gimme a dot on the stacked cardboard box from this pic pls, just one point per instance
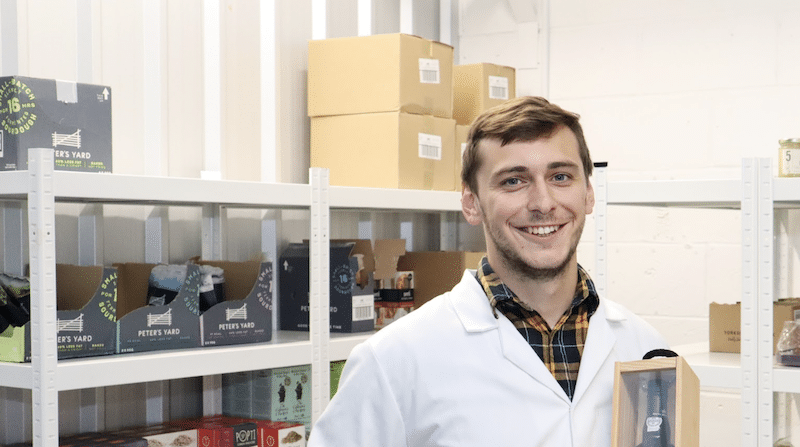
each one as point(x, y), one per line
point(72, 118)
point(479, 87)
point(279, 394)
point(381, 111)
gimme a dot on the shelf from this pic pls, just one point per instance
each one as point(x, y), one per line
point(395, 200)
point(726, 194)
point(342, 344)
point(786, 192)
point(287, 348)
point(714, 369)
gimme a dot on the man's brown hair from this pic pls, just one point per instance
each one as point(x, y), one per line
point(527, 118)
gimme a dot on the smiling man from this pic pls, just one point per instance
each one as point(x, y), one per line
point(522, 350)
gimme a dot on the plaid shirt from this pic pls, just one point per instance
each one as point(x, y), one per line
point(561, 347)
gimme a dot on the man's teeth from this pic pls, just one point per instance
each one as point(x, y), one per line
point(541, 231)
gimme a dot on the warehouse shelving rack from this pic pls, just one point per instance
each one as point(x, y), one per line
point(757, 195)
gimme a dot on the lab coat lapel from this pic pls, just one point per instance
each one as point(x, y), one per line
point(600, 342)
point(473, 309)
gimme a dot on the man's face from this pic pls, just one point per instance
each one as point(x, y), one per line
point(532, 199)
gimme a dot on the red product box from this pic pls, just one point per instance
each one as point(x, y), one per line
point(280, 434)
point(221, 431)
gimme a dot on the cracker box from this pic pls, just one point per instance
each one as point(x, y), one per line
point(351, 288)
point(246, 314)
point(86, 299)
point(380, 73)
point(385, 150)
point(479, 87)
point(656, 402)
point(144, 327)
point(279, 394)
point(72, 118)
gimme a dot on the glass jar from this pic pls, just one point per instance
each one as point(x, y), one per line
point(789, 158)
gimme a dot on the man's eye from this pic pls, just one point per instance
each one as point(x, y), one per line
point(511, 182)
point(561, 177)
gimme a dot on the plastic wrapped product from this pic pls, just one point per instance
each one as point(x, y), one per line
point(165, 282)
point(15, 299)
point(788, 348)
point(212, 287)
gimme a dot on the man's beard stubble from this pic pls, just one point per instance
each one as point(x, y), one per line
point(520, 267)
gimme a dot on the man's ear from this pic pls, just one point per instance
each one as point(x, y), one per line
point(471, 206)
point(589, 198)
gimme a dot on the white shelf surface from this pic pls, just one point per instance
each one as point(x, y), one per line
point(395, 200)
point(714, 369)
point(342, 344)
point(677, 193)
point(287, 348)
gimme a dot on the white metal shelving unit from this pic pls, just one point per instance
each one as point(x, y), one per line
point(41, 187)
point(757, 195)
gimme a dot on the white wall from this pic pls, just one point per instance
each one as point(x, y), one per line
point(666, 90)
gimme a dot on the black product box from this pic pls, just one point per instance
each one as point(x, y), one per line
point(72, 118)
point(143, 327)
point(86, 300)
point(351, 301)
point(246, 314)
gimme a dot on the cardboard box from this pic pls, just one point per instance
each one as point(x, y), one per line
point(351, 303)
point(221, 431)
point(436, 272)
point(72, 118)
point(479, 87)
point(462, 134)
point(246, 314)
point(380, 73)
point(86, 299)
point(279, 394)
point(656, 402)
point(163, 435)
point(143, 327)
point(385, 150)
point(336, 374)
point(724, 328)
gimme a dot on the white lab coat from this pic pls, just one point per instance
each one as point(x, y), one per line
point(451, 374)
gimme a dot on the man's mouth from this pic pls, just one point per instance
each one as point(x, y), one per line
point(542, 230)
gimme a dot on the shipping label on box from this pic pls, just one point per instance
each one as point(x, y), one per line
point(246, 314)
point(86, 316)
point(351, 305)
point(143, 327)
point(72, 118)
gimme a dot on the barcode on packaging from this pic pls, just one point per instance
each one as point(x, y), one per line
point(429, 71)
point(498, 87)
point(363, 307)
point(430, 146)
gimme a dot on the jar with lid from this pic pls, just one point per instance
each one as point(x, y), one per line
point(789, 157)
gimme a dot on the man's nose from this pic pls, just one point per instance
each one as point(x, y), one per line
point(540, 199)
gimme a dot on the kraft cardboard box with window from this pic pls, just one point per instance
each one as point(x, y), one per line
point(380, 73)
point(86, 299)
point(656, 402)
point(74, 119)
point(479, 87)
point(385, 150)
point(725, 323)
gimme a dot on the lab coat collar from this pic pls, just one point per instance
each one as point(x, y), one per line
point(473, 309)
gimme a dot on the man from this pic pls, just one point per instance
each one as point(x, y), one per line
point(521, 351)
